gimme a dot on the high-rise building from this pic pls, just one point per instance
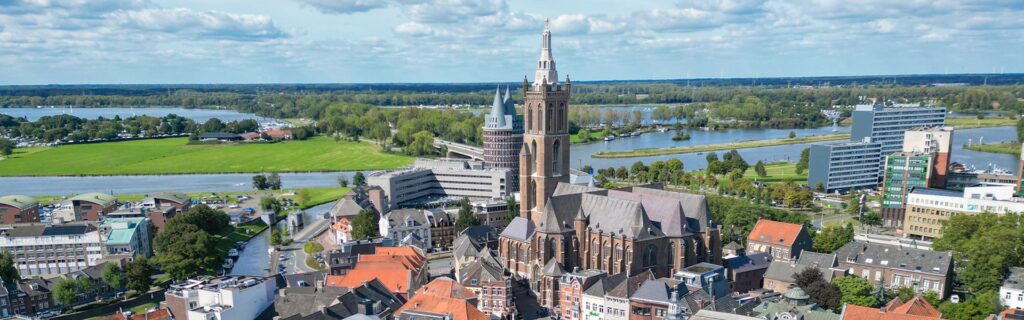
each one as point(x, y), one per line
point(886, 126)
point(503, 137)
point(924, 162)
point(544, 157)
point(842, 166)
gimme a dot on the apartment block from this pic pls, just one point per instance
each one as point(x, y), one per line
point(843, 166)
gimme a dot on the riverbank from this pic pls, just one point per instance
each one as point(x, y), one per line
point(175, 156)
point(720, 146)
point(317, 196)
point(1004, 148)
point(960, 123)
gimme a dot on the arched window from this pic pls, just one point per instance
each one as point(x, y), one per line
point(650, 257)
point(550, 245)
point(548, 119)
point(671, 257)
point(556, 158)
point(529, 117)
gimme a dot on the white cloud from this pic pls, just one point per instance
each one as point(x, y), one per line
point(883, 25)
point(450, 11)
point(214, 24)
point(346, 6)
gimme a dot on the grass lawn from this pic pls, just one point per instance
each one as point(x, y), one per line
point(778, 172)
point(594, 136)
point(318, 196)
point(841, 222)
point(1008, 148)
point(974, 122)
point(174, 156)
point(139, 309)
point(227, 238)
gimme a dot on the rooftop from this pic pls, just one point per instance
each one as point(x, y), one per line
point(775, 232)
point(1015, 280)
point(102, 199)
point(19, 201)
point(938, 192)
point(896, 257)
point(43, 230)
point(121, 229)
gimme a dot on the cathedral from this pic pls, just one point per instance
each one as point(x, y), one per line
point(564, 227)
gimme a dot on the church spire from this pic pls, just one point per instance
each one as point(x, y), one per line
point(546, 63)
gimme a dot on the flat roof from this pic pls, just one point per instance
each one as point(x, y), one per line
point(42, 230)
point(121, 229)
point(938, 192)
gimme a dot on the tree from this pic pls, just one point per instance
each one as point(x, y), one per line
point(271, 204)
point(1020, 129)
point(825, 294)
point(674, 165)
point(208, 219)
point(513, 209)
point(8, 272)
point(984, 247)
point(853, 205)
point(364, 225)
point(139, 274)
point(185, 251)
point(792, 134)
point(856, 290)
point(819, 187)
point(711, 157)
point(275, 237)
point(6, 147)
point(467, 218)
point(342, 182)
point(112, 276)
point(760, 170)
point(65, 292)
point(804, 278)
point(805, 160)
point(213, 125)
point(359, 179)
point(274, 181)
point(872, 219)
point(259, 182)
point(832, 238)
point(422, 144)
point(303, 196)
point(979, 307)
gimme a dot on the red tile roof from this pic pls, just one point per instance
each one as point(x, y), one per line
point(775, 232)
point(915, 309)
point(395, 267)
point(278, 133)
point(446, 287)
point(444, 296)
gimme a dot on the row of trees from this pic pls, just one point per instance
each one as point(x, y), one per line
point(267, 182)
point(136, 276)
point(68, 128)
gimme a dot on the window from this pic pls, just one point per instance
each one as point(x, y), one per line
point(878, 275)
point(556, 157)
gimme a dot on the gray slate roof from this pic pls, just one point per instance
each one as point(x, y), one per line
point(1015, 280)
point(619, 217)
point(896, 257)
point(606, 284)
point(784, 271)
point(398, 217)
point(654, 291)
point(520, 229)
point(625, 289)
point(745, 263)
point(553, 268)
point(821, 260)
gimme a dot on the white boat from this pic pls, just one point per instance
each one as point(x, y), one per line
point(228, 263)
point(233, 253)
point(609, 138)
point(663, 129)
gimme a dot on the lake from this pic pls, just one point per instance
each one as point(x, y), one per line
point(198, 115)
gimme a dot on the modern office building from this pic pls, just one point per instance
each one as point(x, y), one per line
point(935, 141)
point(44, 250)
point(928, 208)
point(961, 177)
point(431, 179)
point(228, 297)
point(842, 166)
point(126, 236)
point(923, 163)
point(886, 125)
point(503, 137)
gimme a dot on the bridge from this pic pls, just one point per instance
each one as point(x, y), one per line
point(458, 150)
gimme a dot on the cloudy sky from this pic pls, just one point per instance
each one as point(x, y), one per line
point(326, 41)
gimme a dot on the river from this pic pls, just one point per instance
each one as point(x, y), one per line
point(254, 260)
point(198, 115)
point(580, 156)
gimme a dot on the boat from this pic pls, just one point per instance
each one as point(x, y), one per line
point(636, 133)
point(663, 129)
point(233, 253)
point(228, 263)
point(624, 135)
point(609, 138)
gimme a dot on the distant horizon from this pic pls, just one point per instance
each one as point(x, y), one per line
point(474, 41)
point(870, 76)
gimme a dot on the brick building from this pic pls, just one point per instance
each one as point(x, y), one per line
point(18, 208)
point(93, 206)
point(784, 241)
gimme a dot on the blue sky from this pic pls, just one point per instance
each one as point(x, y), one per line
point(326, 41)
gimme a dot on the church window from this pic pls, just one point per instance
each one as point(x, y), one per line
point(650, 257)
point(556, 157)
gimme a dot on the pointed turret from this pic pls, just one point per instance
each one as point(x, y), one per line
point(546, 64)
point(510, 105)
point(496, 119)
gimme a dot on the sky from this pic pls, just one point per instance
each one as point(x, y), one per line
point(374, 41)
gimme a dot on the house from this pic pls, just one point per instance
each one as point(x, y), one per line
point(915, 309)
point(178, 200)
point(779, 275)
point(472, 244)
point(98, 287)
point(897, 266)
point(279, 134)
point(341, 260)
point(408, 227)
point(305, 298)
point(442, 228)
point(657, 299)
point(250, 136)
point(224, 298)
point(220, 136)
point(401, 269)
point(745, 272)
point(795, 304)
point(1011, 293)
point(31, 296)
point(92, 206)
point(18, 209)
point(571, 287)
point(357, 199)
point(156, 216)
point(784, 241)
point(705, 276)
point(617, 299)
point(442, 298)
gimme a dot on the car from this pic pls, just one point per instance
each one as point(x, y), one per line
point(284, 258)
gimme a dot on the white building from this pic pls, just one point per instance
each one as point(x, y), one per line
point(431, 179)
point(406, 227)
point(227, 298)
point(126, 236)
point(1011, 293)
point(42, 250)
point(928, 208)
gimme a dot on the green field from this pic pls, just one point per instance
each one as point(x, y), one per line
point(973, 122)
point(1007, 148)
point(174, 156)
point(594, 137)
point(721, 146)
point(778, 172)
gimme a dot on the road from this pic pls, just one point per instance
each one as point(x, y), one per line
point(294, 259)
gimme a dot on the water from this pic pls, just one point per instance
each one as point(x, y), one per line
point(38, 186)
point(647, 111)
point(198, 115)
point(254, 259)
point(693, 161)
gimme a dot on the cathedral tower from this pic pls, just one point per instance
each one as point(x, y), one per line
point(544, 158)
